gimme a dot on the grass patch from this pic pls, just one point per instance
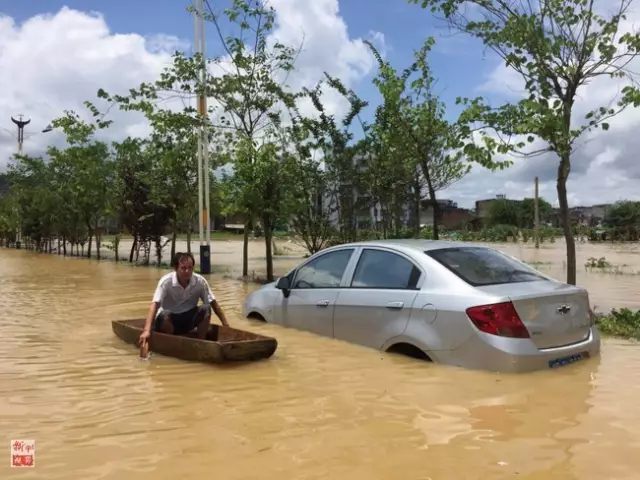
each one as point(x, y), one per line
point(620, 323)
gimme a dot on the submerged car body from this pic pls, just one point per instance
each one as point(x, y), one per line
point(454, 303)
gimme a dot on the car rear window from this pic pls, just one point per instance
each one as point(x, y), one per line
point(484, 266)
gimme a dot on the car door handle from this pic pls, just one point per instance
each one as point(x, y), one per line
point(323, 303)
point(395, 305)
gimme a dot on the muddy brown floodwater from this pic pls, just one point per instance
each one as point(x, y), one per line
point(319, 408)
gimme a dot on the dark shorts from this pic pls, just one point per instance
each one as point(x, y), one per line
point(183, 322)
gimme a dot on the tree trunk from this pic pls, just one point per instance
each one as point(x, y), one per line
point(432, 198)
point(89, 244)
point(116, 247)
point(98, 241)
point(416, 206)
point(565, 221)
point(158, 242)
point(64, 245)
point(564, 151)
point(436, 217)
point(173, 243)
point(268, 235)
point(133, 248)
point(346, 212)
point(245, 250)
point(189, 239)
point(386, 225)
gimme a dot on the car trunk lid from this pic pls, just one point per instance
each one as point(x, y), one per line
point(555, 314)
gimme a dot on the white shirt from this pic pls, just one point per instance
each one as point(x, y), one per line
point(173, 297)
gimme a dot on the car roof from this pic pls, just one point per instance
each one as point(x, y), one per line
point(414, 244)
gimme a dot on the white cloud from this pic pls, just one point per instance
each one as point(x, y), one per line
point(504, 81)
point(326, 46)
point(317, 27)
point(161, 43)
point(52, 63)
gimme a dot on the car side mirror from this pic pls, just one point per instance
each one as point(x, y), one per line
point(283, 284)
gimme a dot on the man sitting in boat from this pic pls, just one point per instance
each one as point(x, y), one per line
point(174, 308)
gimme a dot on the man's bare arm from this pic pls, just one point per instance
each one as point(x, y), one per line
point(151, 315)
point(217, 309)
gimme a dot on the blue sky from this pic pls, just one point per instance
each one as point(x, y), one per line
point(404, 26)
point(56, 54)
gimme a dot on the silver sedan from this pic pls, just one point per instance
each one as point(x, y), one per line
point(448, 302)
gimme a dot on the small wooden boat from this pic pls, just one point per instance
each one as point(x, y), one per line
point(223, 344)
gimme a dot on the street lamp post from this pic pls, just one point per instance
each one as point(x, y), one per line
point(203, 145)
point(20, 123)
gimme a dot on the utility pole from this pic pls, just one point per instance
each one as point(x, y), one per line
point(203, 144)
point(536, 215)
point(20, 123)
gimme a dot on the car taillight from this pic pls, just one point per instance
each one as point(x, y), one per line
point(498, 319)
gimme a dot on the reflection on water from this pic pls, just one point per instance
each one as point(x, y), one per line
point(318, 409)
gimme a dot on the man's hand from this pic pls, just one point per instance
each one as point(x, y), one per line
point(144, 337)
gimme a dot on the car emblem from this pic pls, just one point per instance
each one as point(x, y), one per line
point(563, 309)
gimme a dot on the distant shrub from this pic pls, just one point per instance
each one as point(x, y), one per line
point(593, 262)
point(620, 323)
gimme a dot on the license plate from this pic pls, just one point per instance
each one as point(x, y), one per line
point(562, 361)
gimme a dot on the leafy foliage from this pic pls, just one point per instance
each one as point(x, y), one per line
point(620, 323)
point(623, 219)
point(413, 143)
point(519, 213)
point(557, 47)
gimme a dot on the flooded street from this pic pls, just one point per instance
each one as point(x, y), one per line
point(317, 409)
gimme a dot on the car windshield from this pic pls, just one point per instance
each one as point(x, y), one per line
point(483, 266)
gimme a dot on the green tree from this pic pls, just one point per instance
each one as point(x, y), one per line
point(307, 189)
point(624, 218)
point(412, 118)
point(518, 213)
point(31, 183)
point(310, 218)
point(622, 214)
point(390, 168)
point(342, 159)
point(527, 209)
point(9, 216)
point(172, 147)
point(4, 184)
point(250, 97)
point(505, 212)
point(557, 47)
point(141, 208)
point(88, 168)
